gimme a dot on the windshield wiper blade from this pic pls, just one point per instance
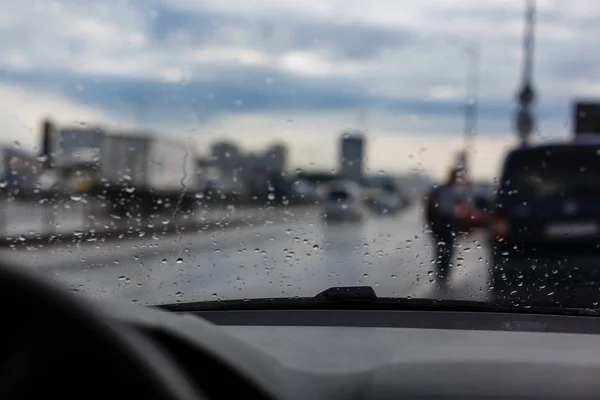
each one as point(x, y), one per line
point(366, 294)
point(332, 298)
point(365, 298)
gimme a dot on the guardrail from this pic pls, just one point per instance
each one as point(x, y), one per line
point(86, 220)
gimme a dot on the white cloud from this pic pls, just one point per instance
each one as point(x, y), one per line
point(314, 64)
point(445, 92)
point(244, 56)
point(82, 37)
point(113, 38)
point(22, 111)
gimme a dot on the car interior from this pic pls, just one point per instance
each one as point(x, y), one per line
point(113, 349)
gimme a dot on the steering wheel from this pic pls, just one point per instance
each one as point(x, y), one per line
point(55, 341)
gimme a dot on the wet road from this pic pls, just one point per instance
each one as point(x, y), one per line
point(276, 258)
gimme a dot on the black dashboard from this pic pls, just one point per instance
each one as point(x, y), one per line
point(344, 354)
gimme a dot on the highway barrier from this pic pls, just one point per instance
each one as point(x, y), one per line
point(80, 220)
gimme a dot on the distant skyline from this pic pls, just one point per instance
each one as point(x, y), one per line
point(301, 73)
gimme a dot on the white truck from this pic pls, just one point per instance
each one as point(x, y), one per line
point(137, 172)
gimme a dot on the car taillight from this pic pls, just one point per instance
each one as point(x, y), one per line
point(461, 211)
point(500, 226)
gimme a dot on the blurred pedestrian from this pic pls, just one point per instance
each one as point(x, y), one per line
point(442, 213)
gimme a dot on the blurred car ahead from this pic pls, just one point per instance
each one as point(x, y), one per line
point(383, 194)
point(386, 202)
point(343, 202)
point(305, 192)
point(546, 220)
point(475, 214)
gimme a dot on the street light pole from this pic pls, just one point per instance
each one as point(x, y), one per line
point(472, 89)
point(525, 121)
point(471, 103)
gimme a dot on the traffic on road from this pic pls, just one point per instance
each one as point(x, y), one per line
point(532, 238)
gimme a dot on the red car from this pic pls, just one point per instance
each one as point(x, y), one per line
point(475, 214)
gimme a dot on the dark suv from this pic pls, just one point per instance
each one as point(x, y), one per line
point(545, 229)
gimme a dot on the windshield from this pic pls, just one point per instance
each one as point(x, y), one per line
point(171, 151)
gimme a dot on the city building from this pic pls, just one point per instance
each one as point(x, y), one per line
point(275, 158)
point(255, 174)
point(352, 154)
point(227, 157)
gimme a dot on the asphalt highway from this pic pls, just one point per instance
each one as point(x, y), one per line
point(296, 256)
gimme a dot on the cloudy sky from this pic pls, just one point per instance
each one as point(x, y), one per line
point(295, 71)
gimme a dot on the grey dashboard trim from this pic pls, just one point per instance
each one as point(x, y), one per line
point(431, 360)
point(407, 319)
